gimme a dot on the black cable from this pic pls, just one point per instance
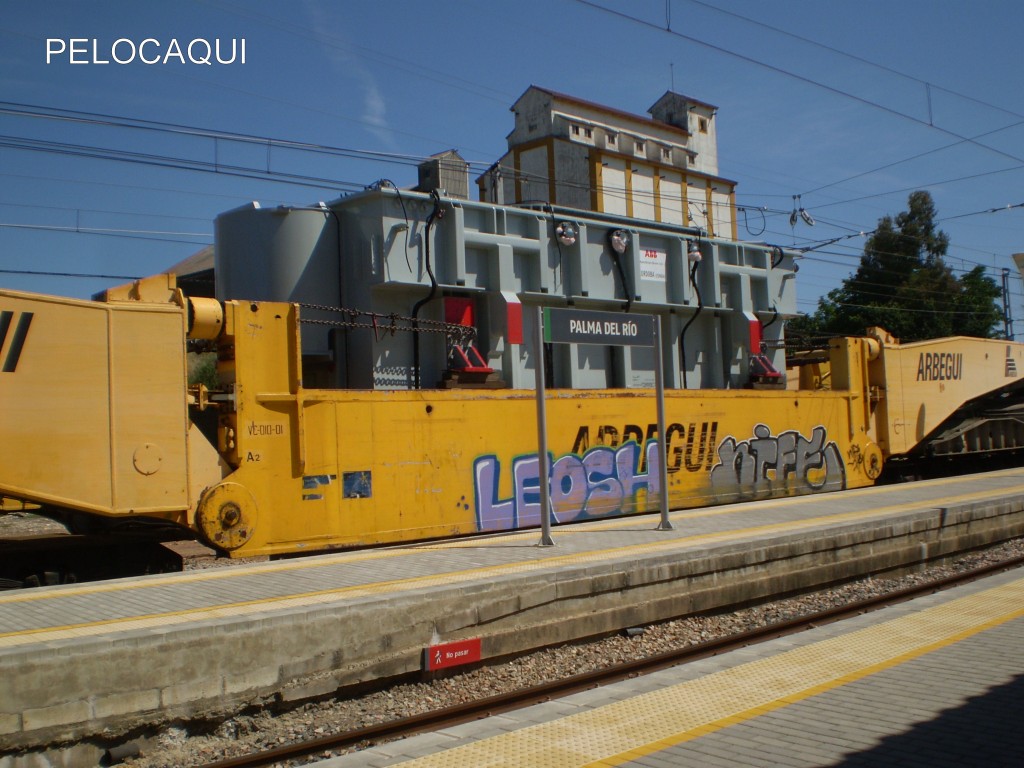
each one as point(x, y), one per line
point(437, 213)
point(558, 242)
point(622, 272)
point(682, 333)
point(746, 224)
point(398, 192)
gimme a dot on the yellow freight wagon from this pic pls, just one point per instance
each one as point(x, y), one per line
point(97, 418)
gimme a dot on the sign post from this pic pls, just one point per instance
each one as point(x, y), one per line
point(542, 435)
point(659, 396)
point(577, 326)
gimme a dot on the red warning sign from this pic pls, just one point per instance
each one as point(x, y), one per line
point(451, 654)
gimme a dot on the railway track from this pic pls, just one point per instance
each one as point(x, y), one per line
point(48, 560)
point(485, 707)
point(38, 552)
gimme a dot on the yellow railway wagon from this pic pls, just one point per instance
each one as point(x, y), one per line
point(97, 418)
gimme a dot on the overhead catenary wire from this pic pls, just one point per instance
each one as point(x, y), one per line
point(137, 234)
point(121, 185)
point(318, 34)
point(854, 57)
point(49, 273)
point(410, 160)
point(116, 121)
point(321, 182)
point(794, 75)
point(884, 68)
point(868, 102)
point(37, 111)
point(140, 214)
point(857, 232)
point(187, 163)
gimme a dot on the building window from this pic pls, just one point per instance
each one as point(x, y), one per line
point(575, 130)
point(666, 153)
point(702, 124)
point(611, 139)
point(588, 133)
point(639, 146)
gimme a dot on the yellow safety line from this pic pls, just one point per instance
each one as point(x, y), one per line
point(316, 597)
point(322, 561)
point(632, 728)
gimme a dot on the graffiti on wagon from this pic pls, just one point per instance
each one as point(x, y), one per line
point(767, 465)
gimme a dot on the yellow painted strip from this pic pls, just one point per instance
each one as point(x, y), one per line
point(337, 594)
point(647, 723)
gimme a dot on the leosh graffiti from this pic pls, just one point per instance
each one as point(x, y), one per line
point(603, 481)
point(618, 479)
point(787, 463)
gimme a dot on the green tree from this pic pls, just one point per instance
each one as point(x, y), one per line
point(903, 285)
point(976, 304)
point(202, 368)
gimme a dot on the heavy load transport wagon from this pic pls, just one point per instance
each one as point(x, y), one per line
point(374, 369)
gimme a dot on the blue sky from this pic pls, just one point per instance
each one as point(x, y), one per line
point(851, 105)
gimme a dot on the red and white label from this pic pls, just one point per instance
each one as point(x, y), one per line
point(451, 654)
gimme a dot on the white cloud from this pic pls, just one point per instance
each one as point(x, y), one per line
point(346, 66)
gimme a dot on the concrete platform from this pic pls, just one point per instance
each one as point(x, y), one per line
point(930, 683)
point(83, 662)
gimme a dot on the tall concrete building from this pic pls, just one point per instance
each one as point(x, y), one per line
point(570, 152)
